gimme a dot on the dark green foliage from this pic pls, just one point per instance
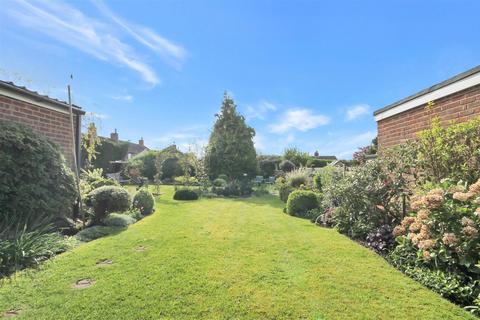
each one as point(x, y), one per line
point(35, 183)
point(317, 163)
point(317, 182)
point(300, 202)
point(235, 188)
point(171, 168)
point(284, 191)
point(105, 200)
point(185, 194)
point(20, 249)
point(104, 182)
point(267, 168)
point(119, 220)
point(107, 151)
point(96, 232)
point(287, 166)
point(144, 201)
point(145, 162)
point(219, 182)
point(230, 148)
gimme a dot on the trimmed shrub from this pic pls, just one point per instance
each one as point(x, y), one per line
point(36, 184)
point(235, 188)
point(144, 201)
point(299, 177)
point(286, 166)
point(219, 182)
point(119, 220)
point(185, 194)
point(96, 232)
point(108, 199)
point(300, 202)
point(284, 191)
point(317, 182)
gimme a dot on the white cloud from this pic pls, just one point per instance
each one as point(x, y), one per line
point(171, 52)
point(357, 111)
point(299, 119)
point(259, 110)
point(185, 137)
point(126, 98)
point(70, 26)
point(345, 146)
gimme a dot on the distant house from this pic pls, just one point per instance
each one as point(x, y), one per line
point(45, 115)
point(327, 158)
point(133, 148)
point(456, 99)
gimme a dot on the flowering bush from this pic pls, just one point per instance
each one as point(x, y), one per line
point(442, 235)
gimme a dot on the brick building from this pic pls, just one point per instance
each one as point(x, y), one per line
point(455, 100)
point(45, 115)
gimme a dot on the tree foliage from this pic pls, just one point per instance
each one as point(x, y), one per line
point(299, 158)
point(230, 148)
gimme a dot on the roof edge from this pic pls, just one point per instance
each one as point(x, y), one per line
point(433, 88)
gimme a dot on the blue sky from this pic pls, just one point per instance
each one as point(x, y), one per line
point(304, 73)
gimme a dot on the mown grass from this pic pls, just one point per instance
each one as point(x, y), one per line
point(222, 259)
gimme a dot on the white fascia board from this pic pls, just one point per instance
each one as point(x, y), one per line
point(24, 98)
point(460, 85)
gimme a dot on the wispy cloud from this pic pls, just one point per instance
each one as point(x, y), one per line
point(126, 98)
point(68, 25)
point(259, 110)
point(299, 119)
point(357, 111)
point(345, 146)
point(184, 137)
point(171, 52)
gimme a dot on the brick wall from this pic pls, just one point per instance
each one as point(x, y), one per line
point(53, 124)
point(457, 107)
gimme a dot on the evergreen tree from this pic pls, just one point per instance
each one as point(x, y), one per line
point(230, 148)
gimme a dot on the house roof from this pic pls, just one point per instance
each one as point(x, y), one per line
point(457, 83)
point(37, 97)
point(326, 157)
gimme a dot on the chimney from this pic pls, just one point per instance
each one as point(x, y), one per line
point(141, 142)
point(114, 136)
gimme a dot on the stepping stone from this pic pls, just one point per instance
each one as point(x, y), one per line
point(11, 313)
point(140, 249)
point(104, 262)
point(84, 283)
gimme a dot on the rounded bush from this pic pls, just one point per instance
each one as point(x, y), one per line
point(108, 199)
point(267, 168)
point(144, 201)
point(185, 194)
point(286, 166)
point(284, 191)
point(298, 177)
point(219, 182)
point(300, 202)
point(119, 220)
point(36, 183)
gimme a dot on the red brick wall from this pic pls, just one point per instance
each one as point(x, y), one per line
point(457, 107)
point(53, 124)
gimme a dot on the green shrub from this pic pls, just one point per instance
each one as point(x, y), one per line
point(267, 167)
point(96, 232)
point(261, 190)
point(219, 182)
point(144, 201)
point(185, 194)
point(36, 184)
point(108, 199)
point(299, 177)
point(286, 166)
point(145, 163)
point(21, 248)
point(119, 220)
point(223, 177)
point(317, 182)
point(284, 191)
point(297, 157)
point(107, 151)
point(300, 202)
point(317, 163)
point(235, 188)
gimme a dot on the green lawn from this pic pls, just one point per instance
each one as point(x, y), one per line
point(223, 259)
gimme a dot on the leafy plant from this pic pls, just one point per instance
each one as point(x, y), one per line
point(297, 157)
point(144, 201)
point(185, 194)
point(119, 220)
point(286, 166)
point(105, 200)
point(267, 167)
point(299, 177)
point(300, 202)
